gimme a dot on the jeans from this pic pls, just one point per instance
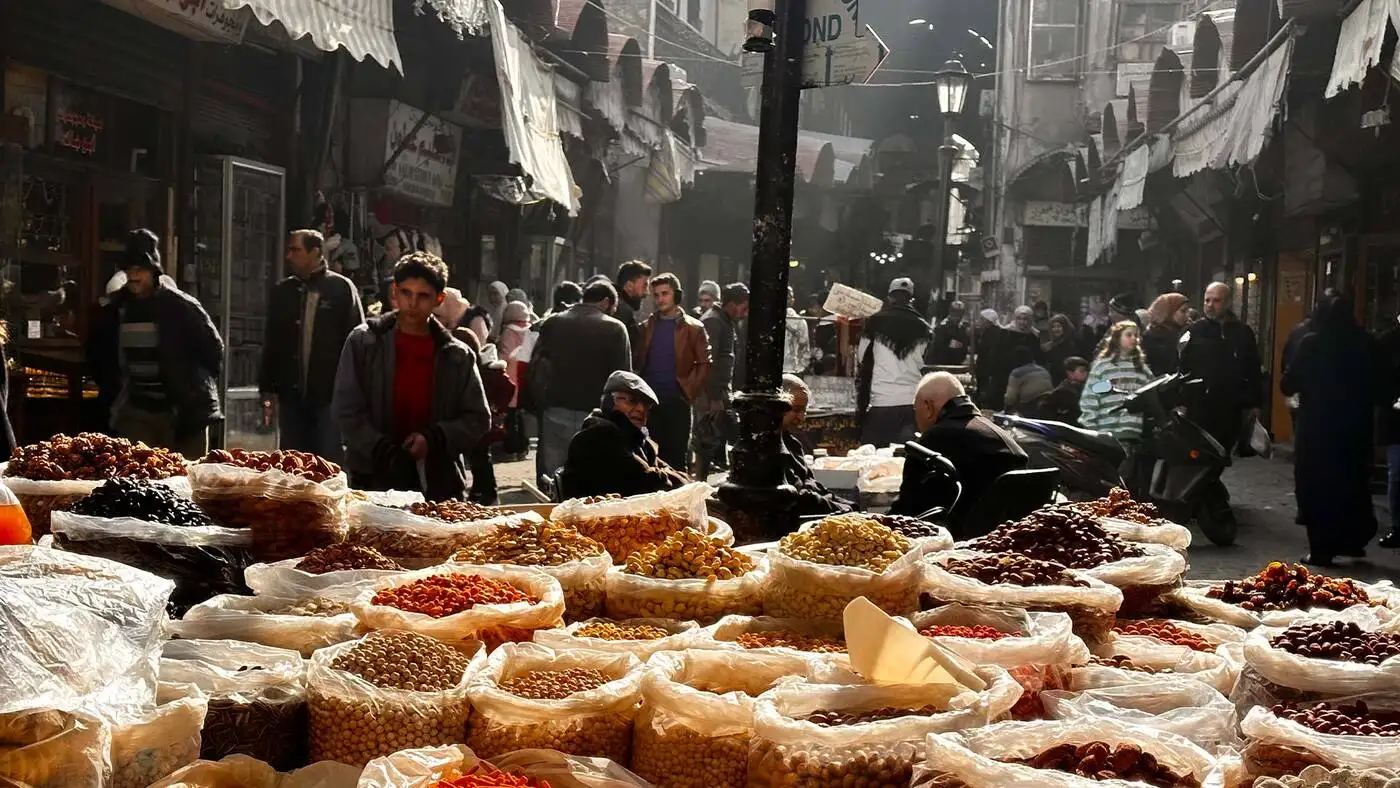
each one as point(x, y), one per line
point(557, 428)
point(1392, 461)
point(303, 426)
point(669, 425)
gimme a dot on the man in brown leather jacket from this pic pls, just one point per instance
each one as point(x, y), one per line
point(675, 362)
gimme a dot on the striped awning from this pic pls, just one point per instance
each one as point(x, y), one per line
point(365, 28)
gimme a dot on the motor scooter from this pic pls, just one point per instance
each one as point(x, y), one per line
point(1178, 465)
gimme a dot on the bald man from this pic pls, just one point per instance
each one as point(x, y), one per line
point(1222, 352)
point(953, 427)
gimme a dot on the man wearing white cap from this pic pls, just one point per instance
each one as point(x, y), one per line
point(890, 360)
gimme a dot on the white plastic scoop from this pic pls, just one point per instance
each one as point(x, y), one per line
point(885, 651)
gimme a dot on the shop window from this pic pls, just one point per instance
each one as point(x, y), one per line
point(1144, 28)
point(1054, 39)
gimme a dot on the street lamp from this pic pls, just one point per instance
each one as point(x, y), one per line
point(951, 83)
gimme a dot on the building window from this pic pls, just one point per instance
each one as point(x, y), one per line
point(1144, 28)
point(1054, 39)
point(693, 14)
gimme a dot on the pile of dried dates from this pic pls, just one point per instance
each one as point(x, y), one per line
point(1013, 569)
point(91, 456)
point(1345, 641)
point(297, 463)
point(1101, 761)
point(908, 527)
point(1283, 587)
point(1341, 719)
point(1059, 534)
point(140, 499)
point(1119, 505)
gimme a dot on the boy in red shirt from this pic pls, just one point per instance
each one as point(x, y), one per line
point(408, 396)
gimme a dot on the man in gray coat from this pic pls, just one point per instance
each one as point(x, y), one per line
point(408, 397)
point(577, 350)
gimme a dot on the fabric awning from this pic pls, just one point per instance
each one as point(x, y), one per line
point(530, 113)
point(733, 147)
point(1235, 129)
point(365, 28)
point(1134, 178)
point(1359, 43)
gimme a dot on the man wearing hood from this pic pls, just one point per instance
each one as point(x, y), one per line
point(156, 346)
point(705, 297)
point(890, 359)
point(1058, 345)
point(613, 453)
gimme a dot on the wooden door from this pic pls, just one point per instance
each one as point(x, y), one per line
point(1291, 300)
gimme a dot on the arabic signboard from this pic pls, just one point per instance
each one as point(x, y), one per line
point(78, 120)
point(201, 20)
point(831, 393)
point(426, 169)
point(851, 303)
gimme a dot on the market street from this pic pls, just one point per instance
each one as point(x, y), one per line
point(1262, 493)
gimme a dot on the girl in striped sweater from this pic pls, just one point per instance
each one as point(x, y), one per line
point(1120, 363)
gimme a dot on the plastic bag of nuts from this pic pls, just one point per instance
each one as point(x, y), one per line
point(425, 767)
point(1304, 734)
point(1026, 638)
point(415, 541)
point(1134, 659)
point(46, 748)
point(696, 719)
point(365, 705)
point(817, 571)
point(858, 740)
point(1181, 706)
point(992, 757)
point(814, 641)
point(1013, 581)
point(577, 702)
point(1177, 537)
point(288, 513)
point(640, 637)
point(202, 561)
point(147, 749)
point(1278, 595)
point(1329, 654)
point(1143, 579)
point(626, 525)
point(284, 579)
point(540, 605)
point(579, 564)
point(687, 576)
point(240, 771)
point(257, 697)
point(272, 621)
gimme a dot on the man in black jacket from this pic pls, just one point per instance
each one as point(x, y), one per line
point(612, 452)
point(408, 396)
point(576, 351)
point(1222, 352)
point(953, 427)
point(309, 315)
point(157, 347)
point(812, 496)
point(633, 279)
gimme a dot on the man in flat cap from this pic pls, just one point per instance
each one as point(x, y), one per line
point(613, 453)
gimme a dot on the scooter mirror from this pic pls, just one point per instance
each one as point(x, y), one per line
point(1101, 387)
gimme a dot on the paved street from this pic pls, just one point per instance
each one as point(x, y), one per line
point(1262, 494)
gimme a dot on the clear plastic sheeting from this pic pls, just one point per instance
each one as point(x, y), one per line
point(78, 632)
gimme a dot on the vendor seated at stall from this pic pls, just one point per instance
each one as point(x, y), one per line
point(812, 497)
point(612, 452)
point(953, 427)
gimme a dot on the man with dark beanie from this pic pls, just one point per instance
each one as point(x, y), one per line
point(157, 347)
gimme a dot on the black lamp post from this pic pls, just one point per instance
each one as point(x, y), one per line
point(951, 83)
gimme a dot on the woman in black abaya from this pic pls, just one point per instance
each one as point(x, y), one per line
point(1333, 374)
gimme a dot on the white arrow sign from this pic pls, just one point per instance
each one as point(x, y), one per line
point(836, 49)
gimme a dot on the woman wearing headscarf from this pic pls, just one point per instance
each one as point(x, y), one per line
point(517, 294)
point(1057, 343)
point(1166, 319)
point(1333, 374)
point(493, 299)
point(999, 354)
point(515, 329)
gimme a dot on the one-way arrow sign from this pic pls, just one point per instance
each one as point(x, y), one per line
point(836, 49)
